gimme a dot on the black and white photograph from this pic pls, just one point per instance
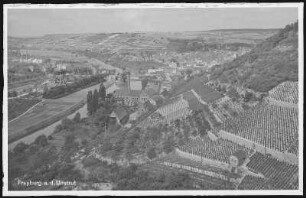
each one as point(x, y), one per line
point(153, 99)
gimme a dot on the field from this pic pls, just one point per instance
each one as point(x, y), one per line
point(54, 54)
point(18, 106)
point(43, 113)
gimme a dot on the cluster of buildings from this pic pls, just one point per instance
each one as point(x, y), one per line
point(134, 96)
point(130, 90)
point(31, 60)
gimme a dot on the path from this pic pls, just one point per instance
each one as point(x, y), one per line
point(18, 96)
point(26, 111)
point(283, 104)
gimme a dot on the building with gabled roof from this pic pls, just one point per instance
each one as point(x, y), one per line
point(119, 113)
point(207, 94)
point(131, 97)
point(136, 85)
point(110, 87)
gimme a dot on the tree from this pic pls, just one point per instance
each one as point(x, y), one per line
point(20, 147)
point(194, 133)
point(58, 128)
point(84, 142)
point(41, 140)
point(168, 145)
point(151, 153)
point(95, 101)
point(66, 123)
point(177, 123)
point(90, 103)
point(233, 94)
point(247, 96)
point(179, 181)
point(124, 77)
point(144, 82)
point(102, 92)
point(69, 141)
point(77, 117)
point(189, 72)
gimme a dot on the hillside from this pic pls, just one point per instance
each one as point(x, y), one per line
point(270, 63)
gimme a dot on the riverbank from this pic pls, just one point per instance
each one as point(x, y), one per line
point(46, 122)
point(49, 130)
point(20, 106)
point(76, 90)
point(46, 114)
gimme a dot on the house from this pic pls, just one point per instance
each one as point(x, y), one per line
point(165, 86)
point(31, 68)
point(150, 71)
point(110, 87)
point(141, 109)
point(120, 114)
point(154, 85)
point(135, 85)
point(206, 94)
point(135, 115)
point(111, 78)
point(151, 92)
point(61, 66)
point(156, 99)
point(147, 106)
point(173, 64)
point(131, 97)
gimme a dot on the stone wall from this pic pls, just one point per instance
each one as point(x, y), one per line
point(204, 160)
point(287, 157)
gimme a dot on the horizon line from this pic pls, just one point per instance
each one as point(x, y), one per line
point(225, 29)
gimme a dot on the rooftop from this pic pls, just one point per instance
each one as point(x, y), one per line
point(120, 112)
point(124, 92)
point(207, 93)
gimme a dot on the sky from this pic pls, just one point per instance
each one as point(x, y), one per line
point(38, 22)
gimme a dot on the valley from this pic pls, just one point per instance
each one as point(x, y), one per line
point(194, 110)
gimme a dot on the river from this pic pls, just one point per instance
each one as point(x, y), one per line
point(47, 130)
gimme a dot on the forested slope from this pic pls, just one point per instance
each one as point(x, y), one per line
point(270, 63)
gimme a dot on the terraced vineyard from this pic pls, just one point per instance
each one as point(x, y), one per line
point(252, 183)
point(226, 108)
point(270, 125)
point(285, 92)
point(219, 150)
point(294, 148)
point(279, 175)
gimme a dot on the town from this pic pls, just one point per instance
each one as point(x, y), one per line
point(154, 111)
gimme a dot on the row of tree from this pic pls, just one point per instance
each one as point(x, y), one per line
point(59, 91)
point(94, 98)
